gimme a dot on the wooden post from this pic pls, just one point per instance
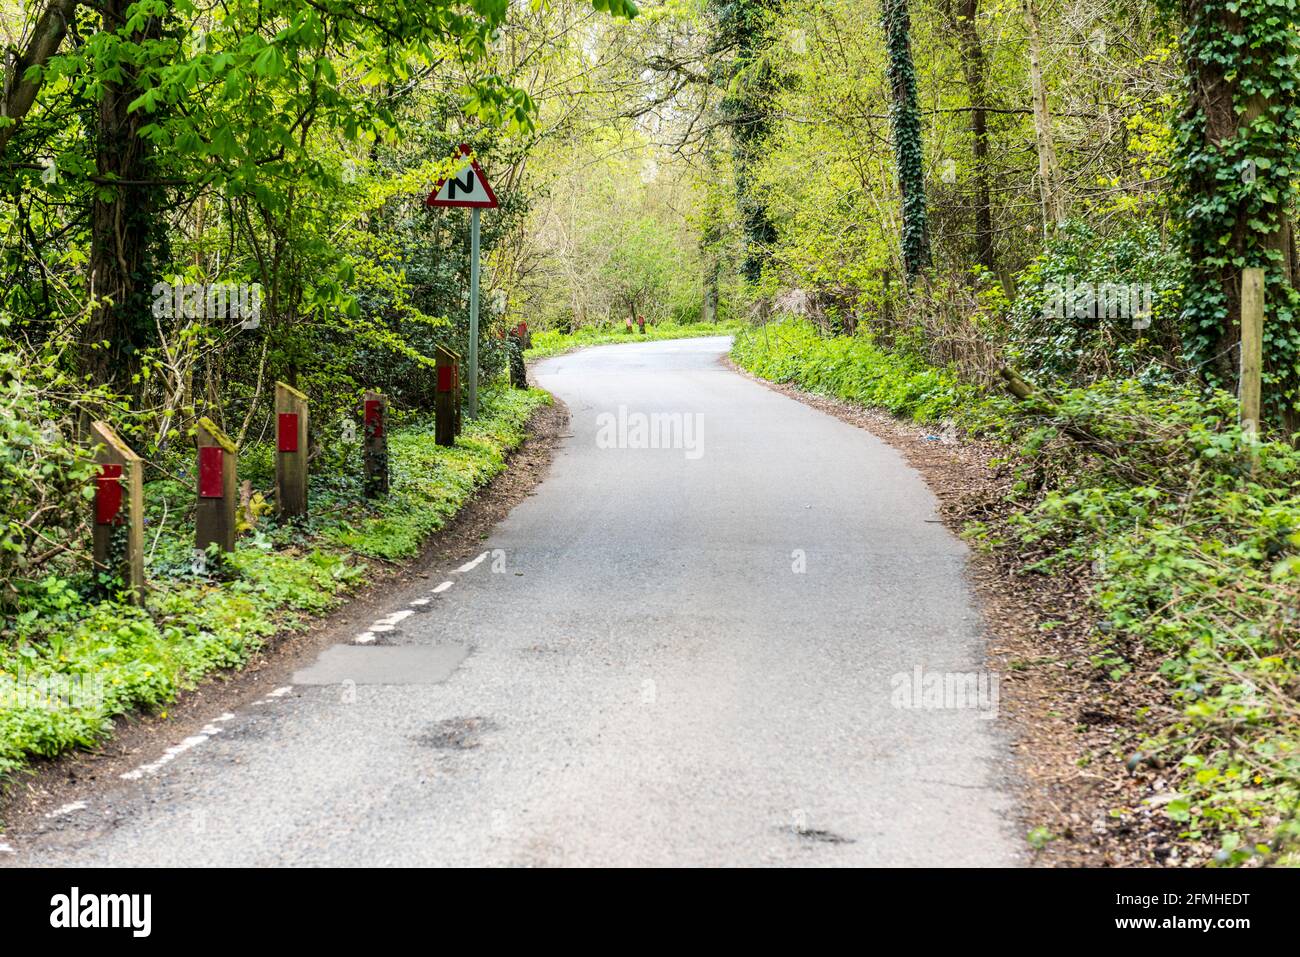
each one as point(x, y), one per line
point(118, 521)
point(518, 340)
point(447, 402)
point(375, 449)
point(214, 518)
point(1252, 346)
point(291, 451)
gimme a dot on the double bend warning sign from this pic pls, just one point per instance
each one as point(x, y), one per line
point(468, 187)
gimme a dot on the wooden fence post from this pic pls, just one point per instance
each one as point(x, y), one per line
point(291, 451)
point(375, 449)
point(214, 518)
point(447, 401)
point(519, 340)
point(118, 536)
point(1252, 346)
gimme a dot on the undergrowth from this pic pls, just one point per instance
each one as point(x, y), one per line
point(852, 368)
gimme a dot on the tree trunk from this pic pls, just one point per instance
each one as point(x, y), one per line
point(1228, 227)
point(975, 69)
point(746, 107)
point(1049, 166)
point(905, 120)
point(123, 226)
point(20, 92)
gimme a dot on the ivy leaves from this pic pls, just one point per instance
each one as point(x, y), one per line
point(905, 118)
point(1236, 185)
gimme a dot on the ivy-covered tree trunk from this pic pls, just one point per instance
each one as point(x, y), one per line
point(124, 218)
point(747, 110)
point(905, 119)
point(1235, 163)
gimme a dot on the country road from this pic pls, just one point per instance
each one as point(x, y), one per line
point(667, 656)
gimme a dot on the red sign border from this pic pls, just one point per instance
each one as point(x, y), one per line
point(489, 203)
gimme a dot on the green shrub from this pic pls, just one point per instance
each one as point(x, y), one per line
point(45, 476)
point(1056, 345)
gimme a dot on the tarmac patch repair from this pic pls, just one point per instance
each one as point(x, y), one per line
point(383, 665)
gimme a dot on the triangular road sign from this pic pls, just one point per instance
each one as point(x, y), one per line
point(469, 187)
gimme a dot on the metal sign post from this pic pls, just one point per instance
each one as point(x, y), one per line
point(473, 313)
point(468, 187)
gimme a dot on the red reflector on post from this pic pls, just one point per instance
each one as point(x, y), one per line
point(375, 418)
point(211, 460)
point(287, 432)
point(444, 378)
point(108, 494)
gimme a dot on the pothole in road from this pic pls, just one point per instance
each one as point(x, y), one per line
point(456, 734)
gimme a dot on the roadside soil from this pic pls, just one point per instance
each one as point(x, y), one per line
point(57, 781)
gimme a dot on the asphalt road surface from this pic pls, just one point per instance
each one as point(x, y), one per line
point(704, 654)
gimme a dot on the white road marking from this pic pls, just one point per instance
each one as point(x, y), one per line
point(395, 617)
point(420, 601)
point(280, 692)
point(207, 731)
point(442, 588)
point(6, 849)
point(193, 741)
point(470, 566)
point(382, 628)
point(172, 753)
point(365, 638)
point(66, 809)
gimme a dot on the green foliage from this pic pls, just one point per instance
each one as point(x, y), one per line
point(1079, 261)
point(611, 238)
point(740, 28)
point(110, 658)
point(1193, 531)
point(849, 367)
point(1234, 166)
point(44, 475)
